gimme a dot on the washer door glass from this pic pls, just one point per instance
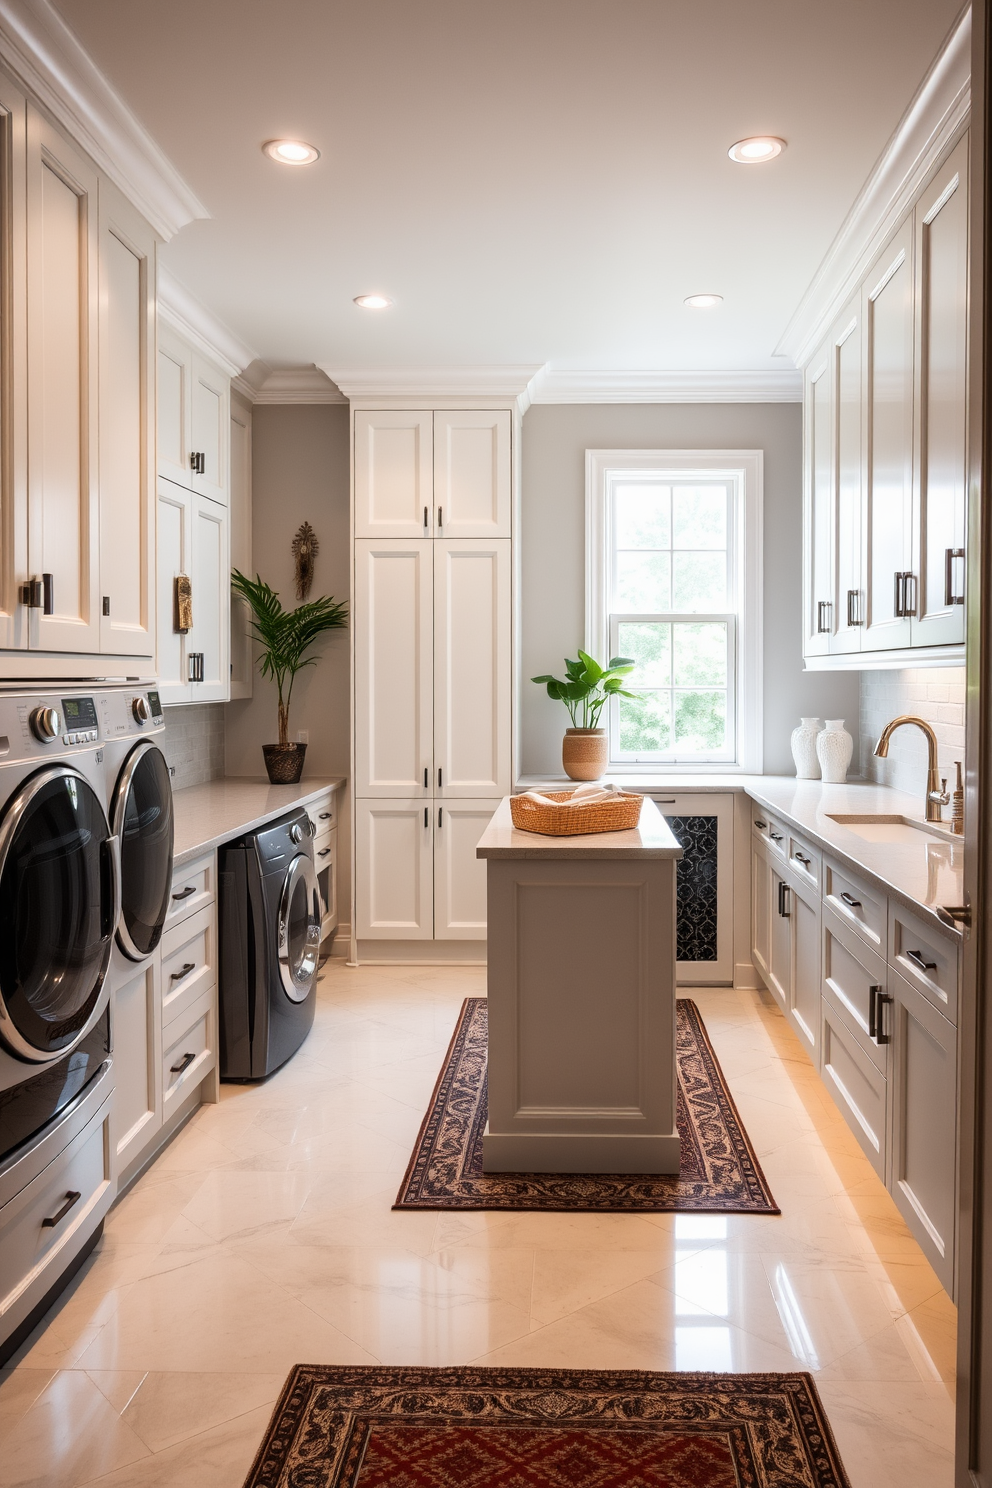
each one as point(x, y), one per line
point(299, 929)
point(143, 820)
point(58, 888)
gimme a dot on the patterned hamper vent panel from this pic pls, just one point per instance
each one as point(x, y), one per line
point(696, 887)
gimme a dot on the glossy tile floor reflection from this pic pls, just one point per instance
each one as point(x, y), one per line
point(263, 1238)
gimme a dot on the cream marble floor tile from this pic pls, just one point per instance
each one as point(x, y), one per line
point(219, 1458)
point(70, 1434)
point(165, 1408)
point(909, 1442)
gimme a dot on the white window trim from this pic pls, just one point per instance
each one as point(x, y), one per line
point(746, 469)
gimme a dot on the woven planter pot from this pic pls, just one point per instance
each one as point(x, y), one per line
point(584, 753)
point(284, 762)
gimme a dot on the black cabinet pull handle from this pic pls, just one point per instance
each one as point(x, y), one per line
point(439, 815)
point(783, 890)
point(440, 519)
point(326, 815)
point(881, 999)
point(850, 900)
point(71, 1198)
point(873, 992)
point(323, 852)
point(184, 893)
point(427, 817)
point(776, 836)
point(426, 778)
point(183, 971)
point(425, 519)
point(918, 959)
point(801, 858)
point(184, 1064)
point(48, 594)
point(760, 824)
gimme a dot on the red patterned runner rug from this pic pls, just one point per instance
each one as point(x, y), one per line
point(720, 1173)
point(372, 1427)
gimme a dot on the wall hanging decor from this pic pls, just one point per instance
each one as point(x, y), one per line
point(183, 605)
point(284, 637)
point(586, 690)
point(305, 550)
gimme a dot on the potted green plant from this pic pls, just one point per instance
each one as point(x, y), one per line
point(585, 690)
point(284, 637)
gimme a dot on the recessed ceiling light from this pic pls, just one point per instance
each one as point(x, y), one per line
point(755, 151)
point(373, 302)
point(703, 301)
point(291, 152)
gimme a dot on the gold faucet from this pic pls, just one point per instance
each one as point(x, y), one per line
point(937, 794)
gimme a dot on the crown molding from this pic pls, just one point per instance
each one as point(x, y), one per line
point(505, 383)
point(592, 385)
point(263, 384)
point(37, 45)
point(187, 315)
point(931, 123)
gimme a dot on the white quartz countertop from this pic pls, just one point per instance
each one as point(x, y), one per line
point(207, 815)
point(651, 838)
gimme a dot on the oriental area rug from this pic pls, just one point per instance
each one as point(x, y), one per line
point(374, 1427)
point(719, 1172)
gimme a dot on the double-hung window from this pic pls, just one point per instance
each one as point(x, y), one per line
point(673, 582)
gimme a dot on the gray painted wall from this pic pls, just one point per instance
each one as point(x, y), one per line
point(300, 471)
point(555, 438)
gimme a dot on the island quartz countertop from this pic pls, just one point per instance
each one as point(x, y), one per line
point(651, 838)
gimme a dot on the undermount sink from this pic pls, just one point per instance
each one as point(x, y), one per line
point(883, 827)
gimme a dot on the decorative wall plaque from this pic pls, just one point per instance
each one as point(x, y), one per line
point(183, 607)
point(305, 549)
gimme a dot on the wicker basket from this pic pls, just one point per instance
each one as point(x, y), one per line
point(618, 813)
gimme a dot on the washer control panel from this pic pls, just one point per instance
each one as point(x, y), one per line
point(79, 719)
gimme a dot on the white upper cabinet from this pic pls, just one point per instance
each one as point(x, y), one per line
point(942, 300)
point(821, 503)
point(174, 424)
point(394, 485)
point(63, 339)
point(242, 661)
point(13, 357)
point(207, 650)
point(848, 579)
point(175, 546)
point(210, 438)
point(394, 687)
point(888, 522)
point(472, 667)
point(472, 473)
point(127, 490)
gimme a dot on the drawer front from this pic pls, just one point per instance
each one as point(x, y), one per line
point(927, 959)
point(862, 908)
point(323, 814)
point(851, 970)
point(189, 963)
point(778, 837)
point(857, 1085)
point(193, 887)
point(44, 1218)
point(190, 1053)
point(325, 859)
point(804, 860)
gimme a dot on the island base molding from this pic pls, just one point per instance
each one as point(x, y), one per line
point(573, 1152)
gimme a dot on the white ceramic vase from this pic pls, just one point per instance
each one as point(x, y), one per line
point(804, 748)
point(834, 747)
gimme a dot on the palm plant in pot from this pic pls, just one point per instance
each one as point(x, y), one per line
point(585, 690)
point(284, 637)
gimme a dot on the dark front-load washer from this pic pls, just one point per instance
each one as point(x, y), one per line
point(270, 914)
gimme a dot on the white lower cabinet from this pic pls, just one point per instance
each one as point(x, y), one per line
point(857, 1084)
point(137, 1046)
point(459, 876)
point(803, 1005)
point(395, 856)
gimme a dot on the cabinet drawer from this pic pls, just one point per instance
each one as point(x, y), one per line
point(325, 860)
point(45, 1216)
point(190, 1052)
point(323, 814)
point(850, 970)
point(856, 904)
point(192, 887)
point(804, 860)
point(189, 963)
point(927, 959)
point(858, 1086)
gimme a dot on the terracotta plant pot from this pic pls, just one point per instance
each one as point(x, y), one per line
point(284, 762)
point(584, 753)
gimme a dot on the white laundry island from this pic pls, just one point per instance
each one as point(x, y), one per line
point(581, 999)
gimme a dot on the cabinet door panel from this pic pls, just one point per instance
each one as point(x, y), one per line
point(849, 592)
point(127, 520)
point(472, 667)
point(14, 618)
point(459, 876)
point(888, 316)
point(242, 659)
point(211, 432)
point(211, 599)
point(857, 1085)
point(704, 828)
point(924, 1123)
point(472, 473)
point(394, 683)
point(394, 484)
point(63, 298)
point(820, 616)
point(394, 863)
point(137, 1059)
point(804, 992)
point(779, 978)
point(174, 549)
point(850, 970)
point(942, 269)
point(174, 405)
point(761, 910)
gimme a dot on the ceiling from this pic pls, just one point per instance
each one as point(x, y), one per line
point(530, 180)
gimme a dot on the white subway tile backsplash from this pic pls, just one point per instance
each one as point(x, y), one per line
point(937, 696)
point(193, 743)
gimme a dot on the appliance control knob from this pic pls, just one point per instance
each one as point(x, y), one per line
point(139, 707)
point(46, 724)
point(296, 832)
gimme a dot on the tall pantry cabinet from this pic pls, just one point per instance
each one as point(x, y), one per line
point(432, 665)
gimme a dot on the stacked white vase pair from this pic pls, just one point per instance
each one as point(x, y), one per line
point(822, 753)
